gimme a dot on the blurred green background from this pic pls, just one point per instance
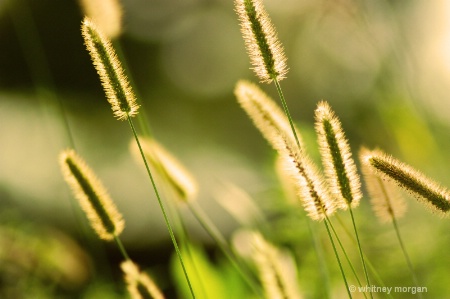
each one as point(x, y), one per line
point(384, 67)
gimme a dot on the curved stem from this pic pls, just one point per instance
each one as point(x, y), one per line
point(166, 219)
point(121, 247)
point(360, 250)
point(337, 257)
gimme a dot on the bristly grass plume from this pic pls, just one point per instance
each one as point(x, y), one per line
point(170, 170)
point(386, 200)
point(102, 213)
point(275, 127)
point(417, 184)
point(277, 274)
point(261, 41)
point(139, 284)
point(340, 169)
point(117, 88)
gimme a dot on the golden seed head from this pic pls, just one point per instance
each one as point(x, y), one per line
point(117, 88)
point(139, 284)
point(107, 14)
point(264, 112)
point(94, 200)
point(340, 169)
point(386, 200)
point(170, 169)
point(274, 126)
point(261, 41)
point(276, 269)
point(417, 184)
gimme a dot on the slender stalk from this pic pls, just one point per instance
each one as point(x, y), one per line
point(286, 110)
point(372, 268)
point(360, 250)
point(166, 219)
point(320, 258)
point(121, 247)
point(215, 234)
point(337, 256)
point(397, 232)
point(408, 260)
point(346, 256)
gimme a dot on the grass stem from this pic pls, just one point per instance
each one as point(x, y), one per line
point(166, 219)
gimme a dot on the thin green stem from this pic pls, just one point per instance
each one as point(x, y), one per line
point(360, 250)
point(397, 231)
point(337, 257)
point(121, 247)
point(369, 264)
point(161, 205)
point(346, 256)
point(216, 235)
point(408, 260)
point(320, 258)
point(286, 111)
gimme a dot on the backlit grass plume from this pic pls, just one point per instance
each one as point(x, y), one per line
point(170, 170)
point(385, 198)
point(102, 213)
point(117, 88)
point(275, 127)
point(107, 14)
point(417, 184)
point(277, 271)
point(261, 41)
point(339, 166)
point(139, 284)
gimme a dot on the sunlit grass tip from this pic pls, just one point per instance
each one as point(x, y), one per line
point(261, 41)
point(107, 14)
point(264, 112)
point(276, 269)
point(386, 200)
point(340, 169)
point(117, 88)
point(274, 126)
point(417, 184)
point(139, 284)
point(168, 167)
point(93, 197)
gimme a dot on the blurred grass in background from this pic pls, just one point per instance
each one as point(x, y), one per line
point(384, 66)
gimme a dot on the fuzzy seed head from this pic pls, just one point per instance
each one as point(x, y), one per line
point(340, 169)
point(411, 180)
point(94, 200)
point(277, 271)
point(117, 88)
point(107, 14)
point(274, 126)
point(139, 284)
point(261, 41)
point(169, 168)
point(386, 200)
point(264, 112)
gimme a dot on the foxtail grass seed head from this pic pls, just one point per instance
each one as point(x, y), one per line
point(107, 14)
point(94, 200)
point(261, 41)
point(274, 126)
point(264, 112)
point(417, 184)
point(277, 271)
point(169, 168)
point(340, 169)
point(139, 284)
point(117, 88)
point(385, 197)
